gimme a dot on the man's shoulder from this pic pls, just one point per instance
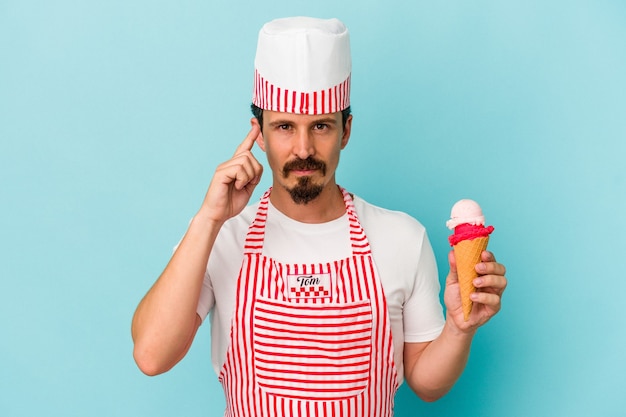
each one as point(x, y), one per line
point(397, 238)
point(375, 217)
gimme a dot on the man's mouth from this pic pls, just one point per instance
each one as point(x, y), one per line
point(302, 171)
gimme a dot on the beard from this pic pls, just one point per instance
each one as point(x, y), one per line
point(305, 190)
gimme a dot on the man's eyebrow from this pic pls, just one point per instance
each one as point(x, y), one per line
point(279, 123)
point(326, 120)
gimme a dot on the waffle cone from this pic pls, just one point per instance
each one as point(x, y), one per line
point(467, 255)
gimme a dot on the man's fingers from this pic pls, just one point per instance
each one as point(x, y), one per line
point(240, 171)
point(452, 276)
point(452, 260)
point(248, 142)
point(487, 256)
point(497, 282)
point(487, 298)
point(249, 174)
point(490, 267)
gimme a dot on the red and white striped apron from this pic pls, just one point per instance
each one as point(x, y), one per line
point(309, 339)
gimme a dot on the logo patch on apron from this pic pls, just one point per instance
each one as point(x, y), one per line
point(308, 286)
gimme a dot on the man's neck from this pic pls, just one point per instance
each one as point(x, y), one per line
point(327, 206)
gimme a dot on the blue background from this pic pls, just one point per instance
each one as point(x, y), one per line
point(114, 114)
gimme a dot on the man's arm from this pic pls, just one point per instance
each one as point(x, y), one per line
point(165, 322)
point(432, 368)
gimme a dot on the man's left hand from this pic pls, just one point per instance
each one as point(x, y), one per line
point(487, 300)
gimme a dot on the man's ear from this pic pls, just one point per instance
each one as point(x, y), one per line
point(347, 129)
point(259, 139)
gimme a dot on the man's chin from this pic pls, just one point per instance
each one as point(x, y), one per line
point(305, 191)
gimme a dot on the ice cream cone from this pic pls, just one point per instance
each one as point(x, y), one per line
point(467, 254)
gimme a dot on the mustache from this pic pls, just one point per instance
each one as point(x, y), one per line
point(300, 164)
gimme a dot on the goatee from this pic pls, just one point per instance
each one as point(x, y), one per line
point(305, 191)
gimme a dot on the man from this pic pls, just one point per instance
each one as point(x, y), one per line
point(321, 304)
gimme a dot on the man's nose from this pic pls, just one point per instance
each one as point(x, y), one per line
point(303, 144)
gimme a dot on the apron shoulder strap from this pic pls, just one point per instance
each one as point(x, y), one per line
point(358, 239)
point(256, 230)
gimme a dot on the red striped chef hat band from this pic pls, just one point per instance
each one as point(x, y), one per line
point(271, 97)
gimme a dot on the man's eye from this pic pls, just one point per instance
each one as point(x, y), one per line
point(283, 127)
point(321, 126)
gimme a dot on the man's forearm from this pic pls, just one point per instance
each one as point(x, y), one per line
point(432, 372)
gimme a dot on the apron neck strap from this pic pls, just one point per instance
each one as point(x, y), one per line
point(256, 230)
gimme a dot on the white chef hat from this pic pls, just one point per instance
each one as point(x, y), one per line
point(303, 66)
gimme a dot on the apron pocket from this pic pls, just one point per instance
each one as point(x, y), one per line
point(312, 352)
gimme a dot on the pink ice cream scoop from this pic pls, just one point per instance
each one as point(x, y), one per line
point(467, 221)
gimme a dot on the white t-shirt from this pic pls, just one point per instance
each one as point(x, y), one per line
point(400, 248)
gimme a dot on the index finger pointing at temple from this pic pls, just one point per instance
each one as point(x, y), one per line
point(248, 142)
